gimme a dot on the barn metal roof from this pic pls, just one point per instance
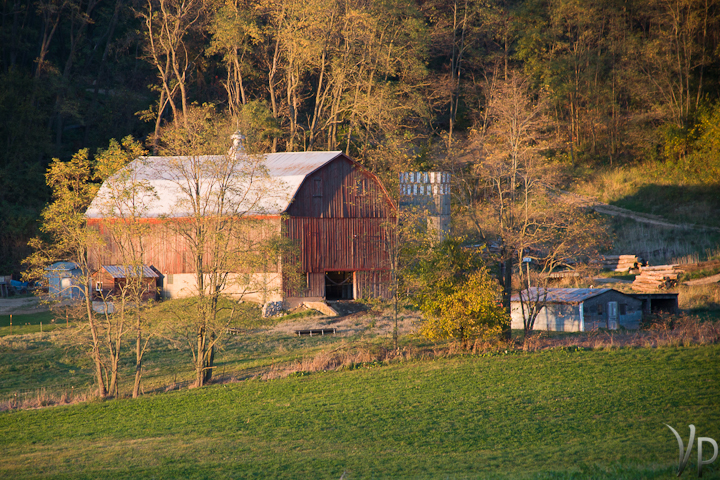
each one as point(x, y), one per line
point(297, 163)
point(257, 194)
point(119, 271)
point(562, 295)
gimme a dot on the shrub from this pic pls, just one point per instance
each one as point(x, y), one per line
point(466, 310)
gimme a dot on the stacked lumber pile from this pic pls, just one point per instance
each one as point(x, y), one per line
point(660, 277)
point(619, 263)
point(663, 277)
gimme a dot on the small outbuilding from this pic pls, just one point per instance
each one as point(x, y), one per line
point(579, 309)
point(63, 280)
point(109, 280)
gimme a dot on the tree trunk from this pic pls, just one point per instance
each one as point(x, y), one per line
point(507, 292)
point(200, 359)
point(102, 393)
point(209, 363)
point(138, 359)
point(271, 86)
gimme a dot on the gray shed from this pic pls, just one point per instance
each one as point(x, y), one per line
point(63, 280)
point(579, 309)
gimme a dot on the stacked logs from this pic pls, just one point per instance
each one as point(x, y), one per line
point(660, 277)
point(663, 277)
point(619, 263)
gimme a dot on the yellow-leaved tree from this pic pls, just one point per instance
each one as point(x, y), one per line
point(458, 296)
point(468, 310)
point(67, 237)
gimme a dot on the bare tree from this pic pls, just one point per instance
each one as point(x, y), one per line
point(235, 31)
point(124, 201)
point(169, 25)
point(219, 199)
point(508, 191)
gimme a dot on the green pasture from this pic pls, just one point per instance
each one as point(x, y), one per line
point(30, 323)
point(558, 414)
point(58, 361)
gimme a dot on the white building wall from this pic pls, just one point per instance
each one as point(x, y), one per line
point(552, 317)
point(256, 287)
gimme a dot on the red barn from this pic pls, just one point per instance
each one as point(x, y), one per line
point(333, 209)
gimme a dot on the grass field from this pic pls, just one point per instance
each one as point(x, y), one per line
point(58, 362)
point(557, 414)
point(29, 323)
point(591, 409)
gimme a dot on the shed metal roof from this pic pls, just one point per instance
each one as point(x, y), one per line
point(62, 266)
point(255, 194)
point(561, 295)
point(120, 271)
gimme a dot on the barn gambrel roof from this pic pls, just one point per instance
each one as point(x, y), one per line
point(273, 194)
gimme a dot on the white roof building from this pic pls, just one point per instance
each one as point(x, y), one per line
point(263, 185)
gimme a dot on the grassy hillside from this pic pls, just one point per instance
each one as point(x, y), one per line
point(677, 192)
point(585, 414)
point(670, 190)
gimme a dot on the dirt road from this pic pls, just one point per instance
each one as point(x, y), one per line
point(606, 209)
point(21, 306)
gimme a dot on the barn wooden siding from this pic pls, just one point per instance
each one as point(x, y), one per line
point(340, 244)
point(339, 221)
point(341, 190)
point(166, 249)
point(373, 283)
point(368, 284)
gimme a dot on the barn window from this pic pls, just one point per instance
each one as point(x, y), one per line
point(623, 308)
point(599, 309)
point(169, 278)
point(98, 286)
point(317, 188)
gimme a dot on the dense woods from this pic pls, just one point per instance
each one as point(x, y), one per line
point(394, 83)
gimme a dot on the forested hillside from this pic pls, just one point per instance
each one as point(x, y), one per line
point(394, 82)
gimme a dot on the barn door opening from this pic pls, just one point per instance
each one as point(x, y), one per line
point(338, 285)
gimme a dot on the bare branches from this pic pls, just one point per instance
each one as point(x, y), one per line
point(508, 190)
point(169, 28)
point(218, 204)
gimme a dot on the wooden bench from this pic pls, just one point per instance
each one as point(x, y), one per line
point(316, 331)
